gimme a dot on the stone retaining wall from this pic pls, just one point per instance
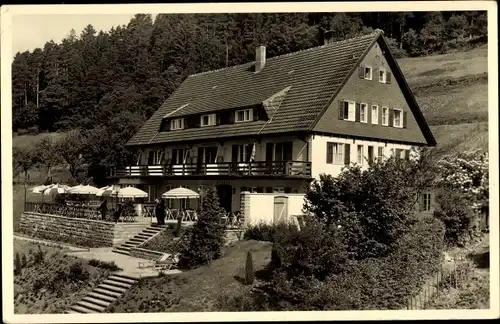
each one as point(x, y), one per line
point(145, 254)
point(77, 231)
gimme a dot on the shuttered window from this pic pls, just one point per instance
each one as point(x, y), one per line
point(374, 114)
point(398, 118)
point(360, 154)
point(335, 153)
point(385, 116)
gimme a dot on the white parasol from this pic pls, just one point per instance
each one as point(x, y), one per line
point(83, 190)
point(55, 189)
point(39, 189)
point(108, 191)
point(131, 192)
point(180, 193)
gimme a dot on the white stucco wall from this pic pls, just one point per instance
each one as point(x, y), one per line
point(318, 152)
point(259, 207)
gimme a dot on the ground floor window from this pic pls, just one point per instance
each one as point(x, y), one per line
point(426, 202)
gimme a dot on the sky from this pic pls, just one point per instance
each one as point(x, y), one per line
point(32, 31)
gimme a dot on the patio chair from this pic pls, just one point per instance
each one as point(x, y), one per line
point(164, 263)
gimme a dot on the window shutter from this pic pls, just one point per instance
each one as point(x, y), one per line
point(347, 154)
point(388, 77)
point(231, 117)
point(391, 117)
point(404, 118)
point(329, 153)
point(380, 113)
point(217, 119)
point(358, 113)
point(361, 71)
point(341, 110)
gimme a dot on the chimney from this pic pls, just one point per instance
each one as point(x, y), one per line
point(328, 37)
point(260, 58)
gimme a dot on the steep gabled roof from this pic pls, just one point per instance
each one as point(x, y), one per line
point(294, 89)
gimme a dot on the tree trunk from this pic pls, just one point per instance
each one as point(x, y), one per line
point(25, 96)
point(37, 86)
point(401, 36)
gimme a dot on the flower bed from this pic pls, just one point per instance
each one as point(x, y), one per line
point(51, 281)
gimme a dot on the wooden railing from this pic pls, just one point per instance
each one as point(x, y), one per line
point(257, 168)
point(86, 211)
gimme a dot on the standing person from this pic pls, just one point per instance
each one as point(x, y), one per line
point(104, 209)
point(157, 210)
point(161, 218)
point(118, 213)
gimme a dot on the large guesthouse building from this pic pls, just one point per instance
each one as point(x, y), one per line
point(272, 125)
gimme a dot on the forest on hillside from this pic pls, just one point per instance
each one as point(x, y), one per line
point(105, 85)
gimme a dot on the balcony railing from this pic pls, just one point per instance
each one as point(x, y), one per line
point(244, 169)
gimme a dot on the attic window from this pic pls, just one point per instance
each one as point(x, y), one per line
point(208, 120)
point(244, 115)
point(177, 124)
point(367, 73)
point(384, 76)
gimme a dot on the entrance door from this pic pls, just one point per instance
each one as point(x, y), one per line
point(225, 193)
point(280, 209)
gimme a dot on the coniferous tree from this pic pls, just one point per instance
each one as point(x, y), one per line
point(207, 235)
point(17, 264)
point(249, 271)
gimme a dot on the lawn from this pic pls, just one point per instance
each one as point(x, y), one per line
point(30, 140)
point(197, 290)
point(461, 137)
point(51, 281)
point(431, 69)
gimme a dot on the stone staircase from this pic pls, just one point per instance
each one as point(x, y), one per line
point(138, 239)
point(103, 295)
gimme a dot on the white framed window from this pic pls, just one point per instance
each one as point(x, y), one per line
point(177, 123)
point(349, 110)
point(335, 153)
point(208, 120)
point(398, 118)
point(374, 114)
point(382, 76)
point(426, 202)
point(367, 72)
point(380, 155)
point(385, 116)
point(244, 115)
point(360, 154)
point(363, 113)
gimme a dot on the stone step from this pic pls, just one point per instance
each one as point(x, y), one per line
point(122, 279)
point(100, 296)
point(121, 252)
point(82, 310)
point(151, 231)
point(130, 244)
point(72, 312)
point(122, 248)
point(115, 289)
point(96, 301)
point(106, 292)
point(145, 236)
point(125, 275)
point(138, 240)
point(118, 284)
point(91, 306)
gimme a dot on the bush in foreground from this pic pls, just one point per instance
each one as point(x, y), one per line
point(318, 273)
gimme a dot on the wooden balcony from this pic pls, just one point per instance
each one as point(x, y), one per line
point(234, 169)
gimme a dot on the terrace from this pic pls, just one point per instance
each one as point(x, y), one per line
point(299, 169)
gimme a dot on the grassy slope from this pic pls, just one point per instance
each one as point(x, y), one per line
point(197, 290)
point(29, 140)
point(27, 300)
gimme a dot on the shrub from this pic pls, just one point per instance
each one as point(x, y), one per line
point(249, 272)
point(318, 276)
point(373, 206)
point(458, 217)
point(109, 265)
point(77, 272)
point(263, 231)
point(24, 261)
point(207, 235)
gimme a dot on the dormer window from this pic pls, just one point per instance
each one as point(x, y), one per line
point(244, 115)
point(177, 124)
point(208, 120)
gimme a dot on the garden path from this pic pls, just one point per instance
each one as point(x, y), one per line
point(129, 264)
